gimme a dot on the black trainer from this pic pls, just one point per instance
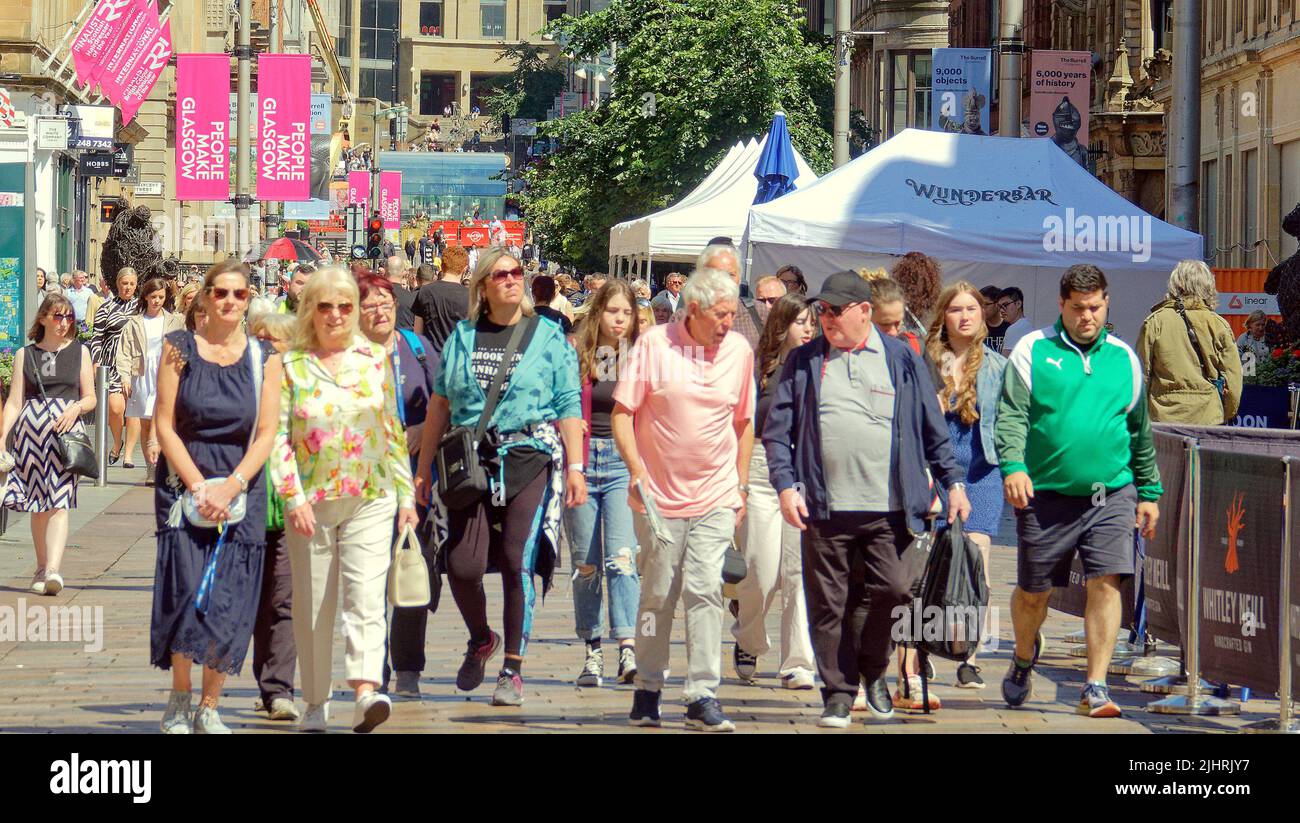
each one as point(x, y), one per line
point(645, 708)
point(879, 702)
point(705, 715)
point(836, 715)
point(1018, 683)
point(470, 675)
point(968, 677)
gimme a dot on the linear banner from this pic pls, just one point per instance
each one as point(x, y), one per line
point(359, 190)
point(98, 37)
point(960, 96)
point(390, 198)
point(283, 127)
point(1241, 558)
point(1059, 92)
point(202, 127)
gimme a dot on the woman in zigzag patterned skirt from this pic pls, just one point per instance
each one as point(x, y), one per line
point(54, 386)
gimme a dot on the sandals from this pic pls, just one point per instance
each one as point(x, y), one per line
point(113, 457)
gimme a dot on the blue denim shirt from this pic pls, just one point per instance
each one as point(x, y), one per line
point(543, 387)
point(988, 388)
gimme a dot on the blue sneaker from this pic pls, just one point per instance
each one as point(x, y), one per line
point(1018, 684)
point(705, 715)
point(1095, 702)
point(645, 708)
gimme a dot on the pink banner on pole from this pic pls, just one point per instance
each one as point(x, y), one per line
point(202, 127)
point(359, 189)
point(390, 198)
point(283, 127)
point(98, 37)
point(145, 73)
point(135, 42)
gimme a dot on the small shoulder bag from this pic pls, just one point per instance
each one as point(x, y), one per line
point(75, 451)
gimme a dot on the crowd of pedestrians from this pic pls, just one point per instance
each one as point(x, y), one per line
point(662, 439)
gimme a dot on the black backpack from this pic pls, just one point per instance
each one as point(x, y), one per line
point(953, 597)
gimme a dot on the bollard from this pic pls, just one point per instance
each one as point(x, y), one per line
point(101, 423)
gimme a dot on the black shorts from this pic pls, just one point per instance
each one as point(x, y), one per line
point(1053, 526)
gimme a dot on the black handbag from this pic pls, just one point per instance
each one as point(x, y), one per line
point(734, 568)
point(73, 447)
point(463, 477)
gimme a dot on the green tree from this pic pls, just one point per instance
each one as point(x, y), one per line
point(692, 78)
point(527, 91)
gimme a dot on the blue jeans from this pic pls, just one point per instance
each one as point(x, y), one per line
point(601, 536)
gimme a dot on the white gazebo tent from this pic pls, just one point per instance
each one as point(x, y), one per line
point(991, 210)
point(716, 208)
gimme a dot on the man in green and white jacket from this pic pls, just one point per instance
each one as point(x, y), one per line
point(1079, 466)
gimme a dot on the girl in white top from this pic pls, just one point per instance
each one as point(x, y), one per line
point(137, 362)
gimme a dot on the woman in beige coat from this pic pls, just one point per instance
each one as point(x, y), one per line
point(137, 363)
point(1182, 381)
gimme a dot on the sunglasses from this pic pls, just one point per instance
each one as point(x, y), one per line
point(766, 301)
point(61, 317)
point(1006, 305)
point(222, 294)
point(834, 311)
point(328, 308)
point(507, 274)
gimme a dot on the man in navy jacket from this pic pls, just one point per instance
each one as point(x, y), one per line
point(854, 424)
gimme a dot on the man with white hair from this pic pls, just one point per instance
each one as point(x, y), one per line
point(722, 254)
point(683, 424)
point(396, 270)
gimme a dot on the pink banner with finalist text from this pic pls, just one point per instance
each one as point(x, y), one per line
point(203, 127)
point(98, 37)
point(141, 43)
point(283, 127)
point(359, 189)
point(390, 198)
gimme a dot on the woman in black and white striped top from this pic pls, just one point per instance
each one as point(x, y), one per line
point(110, 319)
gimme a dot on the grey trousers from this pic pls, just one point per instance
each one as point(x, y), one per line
point(685, 562)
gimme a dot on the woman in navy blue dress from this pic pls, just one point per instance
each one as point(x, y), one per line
point(208, 579)
point(968, 376)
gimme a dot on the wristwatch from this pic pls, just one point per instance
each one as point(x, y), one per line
point(960, 484)
point(239, 478)
point(744, 487)
point(578, 467)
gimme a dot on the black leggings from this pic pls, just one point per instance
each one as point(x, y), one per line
point(475, 541)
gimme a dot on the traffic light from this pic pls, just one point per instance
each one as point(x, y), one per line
point(108, 210)
point(375, 238)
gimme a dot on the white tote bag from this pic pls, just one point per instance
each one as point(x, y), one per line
point(408, 575)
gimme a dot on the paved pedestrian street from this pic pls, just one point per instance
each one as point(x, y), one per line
point(62, 687)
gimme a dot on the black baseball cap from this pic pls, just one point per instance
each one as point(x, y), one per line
point(843, 288)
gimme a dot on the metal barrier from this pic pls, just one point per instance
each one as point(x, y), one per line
point(101, 424)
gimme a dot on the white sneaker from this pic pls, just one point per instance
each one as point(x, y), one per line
point(208, 721)
point(317, 718)
point(372, 709)
point(798, 680)
point(53, 584)
point(176, 718)
point(282, 708)
point(38, 582)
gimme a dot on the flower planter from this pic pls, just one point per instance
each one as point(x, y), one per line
point(1264, 407)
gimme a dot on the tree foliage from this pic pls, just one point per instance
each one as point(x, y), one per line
point(692, 78)
point(527, 91)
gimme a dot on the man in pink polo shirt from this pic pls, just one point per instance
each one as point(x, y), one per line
point(683, 423)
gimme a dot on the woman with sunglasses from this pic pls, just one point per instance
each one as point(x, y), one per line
point(793, 279)
point(215, 441)
point(138, 357)
point(39, 483)
point(110, 319)
point(342, 467)
point(530, 482)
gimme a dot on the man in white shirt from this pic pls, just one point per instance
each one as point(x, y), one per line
point(79, 295)
point(671, 294)
point(1012, 304)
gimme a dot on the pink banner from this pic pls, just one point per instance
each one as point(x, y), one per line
point(98, 37)
point(390, 198)
point(283, 127)
point(145, 74)
point(359, 190)
point(202, 127)
point(136, 45)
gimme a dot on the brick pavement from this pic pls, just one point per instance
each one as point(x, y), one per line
point(63, 688)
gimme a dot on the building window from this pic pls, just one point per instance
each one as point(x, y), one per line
point(378, 83)
point(1226, 233)
point(906, 91)
point(379, 23)
point(555, 9)
point(493, 15)
point(1162, 24)
point(1210, 209)
point(1261, 15)
point(1249, 212)
point(431, 18)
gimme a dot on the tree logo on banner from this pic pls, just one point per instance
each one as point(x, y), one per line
point(1236, 516)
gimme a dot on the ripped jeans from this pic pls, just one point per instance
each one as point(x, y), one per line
point(602, 539)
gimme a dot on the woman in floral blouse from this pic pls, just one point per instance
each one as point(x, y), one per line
point(340, 463)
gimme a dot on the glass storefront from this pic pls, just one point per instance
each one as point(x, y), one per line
point(449, 185)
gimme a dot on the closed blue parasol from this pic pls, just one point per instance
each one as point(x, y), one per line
point(775, 169)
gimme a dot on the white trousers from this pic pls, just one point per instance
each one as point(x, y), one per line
point(348, 554)
point(772, 552)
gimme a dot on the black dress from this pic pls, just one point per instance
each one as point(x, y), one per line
point(215, 418)
point(38, 482)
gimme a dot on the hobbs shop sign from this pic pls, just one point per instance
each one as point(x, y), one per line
point(1247, 302)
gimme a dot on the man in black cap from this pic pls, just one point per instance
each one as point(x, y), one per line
point(844, 455)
